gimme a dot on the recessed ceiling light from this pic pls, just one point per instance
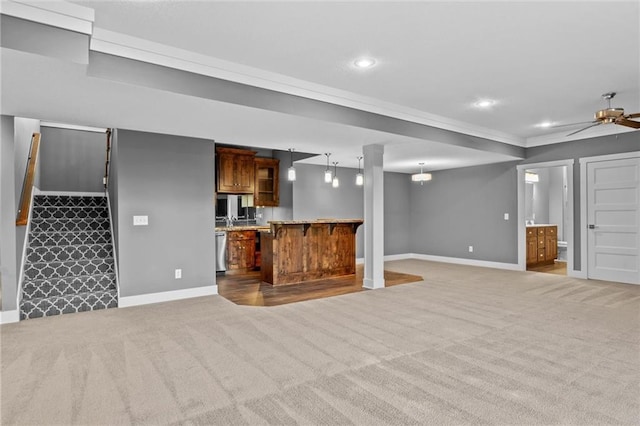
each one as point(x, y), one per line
point(485, 103)
point(545, 124)
point(364, 62)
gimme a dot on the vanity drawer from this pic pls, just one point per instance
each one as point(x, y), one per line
point(541, 231)
point(531, 231)
point(550, 230)
point(541, 255)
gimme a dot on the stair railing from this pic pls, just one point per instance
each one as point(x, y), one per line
point(105, 179)
point(27, 183)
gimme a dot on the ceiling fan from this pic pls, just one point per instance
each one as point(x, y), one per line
point(609, 115)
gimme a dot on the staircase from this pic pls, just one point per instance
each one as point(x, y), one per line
point(69, 263)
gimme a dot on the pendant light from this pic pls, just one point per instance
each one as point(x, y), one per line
point(359, 176)
point(421, 177)
point(335, 182)
point(291, 173)
point(327, 172)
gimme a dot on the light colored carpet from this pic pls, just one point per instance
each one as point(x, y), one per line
point(466, 346)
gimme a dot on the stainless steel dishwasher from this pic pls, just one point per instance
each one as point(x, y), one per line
point(221, 251)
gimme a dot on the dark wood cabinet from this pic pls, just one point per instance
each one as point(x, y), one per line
point(235, 171)
point(241, 248)
point(266, 190)
point(542, 245)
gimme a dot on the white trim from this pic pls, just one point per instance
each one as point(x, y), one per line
point(7, 317)
point(113, 244)
point(60, 14)
point(73, 127)
point(584, 260)
point(568, 227)
point(360, 261)
point(167, 296)
point(135, 48)
point(72, 194)
point(392, 257)
point(470, 262)
point(27, 230)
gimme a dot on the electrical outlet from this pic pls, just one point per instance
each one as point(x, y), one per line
point(506, 216)
point(178, 274)
point(140, 220)
point(470, 249)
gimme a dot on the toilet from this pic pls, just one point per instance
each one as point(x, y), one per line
point(562, 251)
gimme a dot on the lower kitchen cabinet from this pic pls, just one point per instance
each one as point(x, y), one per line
point(241, 249)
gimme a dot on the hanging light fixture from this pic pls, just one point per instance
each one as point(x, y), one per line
point(291, 173)
point(335, 182)
point(327, 172)
point(359, 176)
point(421, 177)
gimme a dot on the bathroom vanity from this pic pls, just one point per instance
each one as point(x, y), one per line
point(542, 244)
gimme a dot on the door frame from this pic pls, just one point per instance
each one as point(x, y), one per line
point(584, 260)
point(568, 226)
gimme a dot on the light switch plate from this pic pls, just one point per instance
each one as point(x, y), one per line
point(506, 216)
point(178, 274)
point(470, 249)
point(140, 220)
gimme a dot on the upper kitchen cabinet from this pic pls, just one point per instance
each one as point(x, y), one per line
point(266, 187)
point(236, 173)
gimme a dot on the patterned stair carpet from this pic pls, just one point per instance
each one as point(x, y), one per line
point(69, 263)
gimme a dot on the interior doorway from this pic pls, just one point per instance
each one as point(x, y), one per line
point(546, 210)
point(546, 217)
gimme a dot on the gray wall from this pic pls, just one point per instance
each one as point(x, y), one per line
point(463, 207)
point(556, 199)
point(72, 160)
point(397, 213)
point(8, 270)
point(170, 179)
point(541, 196)
point(24, 128)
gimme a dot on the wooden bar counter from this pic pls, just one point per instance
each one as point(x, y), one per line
point(295, 251)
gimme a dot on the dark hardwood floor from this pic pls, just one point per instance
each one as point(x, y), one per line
point(247, 289)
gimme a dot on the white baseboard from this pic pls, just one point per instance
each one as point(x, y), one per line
point(462, 261)
point(7, 317)
point(402, 256)
point(167, 296)
point(577, 274)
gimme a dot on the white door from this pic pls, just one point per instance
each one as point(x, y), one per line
point(613, 220)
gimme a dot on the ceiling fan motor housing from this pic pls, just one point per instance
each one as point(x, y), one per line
point(609, 115)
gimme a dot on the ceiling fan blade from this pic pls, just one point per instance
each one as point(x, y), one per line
point(585, 128)
point(571, 124)
point(629, 123)
point(636, 115)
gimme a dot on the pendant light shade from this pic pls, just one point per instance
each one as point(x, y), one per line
point(291, 172)
point(327, 173)
point(335, 182)
point(359, 176)
point(421, 177)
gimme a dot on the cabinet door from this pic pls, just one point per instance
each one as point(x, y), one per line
point(266, 192)
point(234, 254)
point(551, 247)
point(226, 173)
point(244, 174)
point(532, 250)
point(249, 253)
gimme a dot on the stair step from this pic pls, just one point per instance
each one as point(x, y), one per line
point(81, 302)
point(42, 288)
point(68, 253)
point(69, 201)
point(46, 270)
point(46, 212)
point(70, 225)
point(68, 238)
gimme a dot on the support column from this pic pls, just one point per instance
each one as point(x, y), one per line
point(373, 217)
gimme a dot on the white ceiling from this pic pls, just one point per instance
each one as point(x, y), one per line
point(538, 60)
